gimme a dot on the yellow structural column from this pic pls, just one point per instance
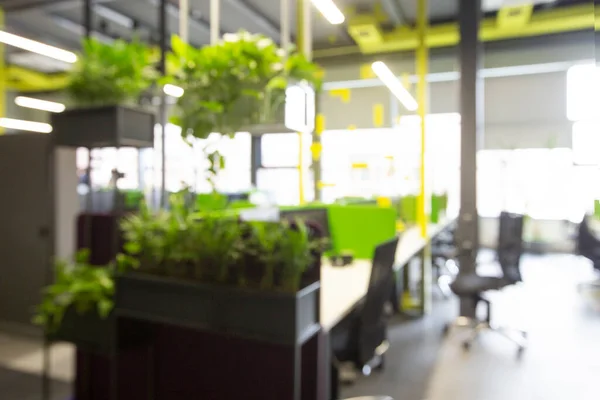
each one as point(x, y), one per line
point(304, 44)
point(2, 75)
point(422, 57)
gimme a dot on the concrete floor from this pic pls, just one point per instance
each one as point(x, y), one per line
point(563, 358)
point(562, 362)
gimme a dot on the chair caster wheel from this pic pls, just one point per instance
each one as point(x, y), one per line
point(381, 364)
point(446, 330)
point(466, 346)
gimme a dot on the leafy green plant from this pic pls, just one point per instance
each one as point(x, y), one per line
point(216, 248)
point(84, 287)
point(111, 74)
point(235, 83)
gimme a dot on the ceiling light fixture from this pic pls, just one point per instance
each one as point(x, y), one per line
point(21, 125)
point(395, 86)
point(172, 90)
point(330, 11)
point(38, 104)
point(37, 47)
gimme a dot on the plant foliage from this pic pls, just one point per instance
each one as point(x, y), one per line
point(111, 74)
point(84, 287)
point(218, 248)
point(235, 83)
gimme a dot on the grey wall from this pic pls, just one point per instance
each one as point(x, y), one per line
point(525, 89)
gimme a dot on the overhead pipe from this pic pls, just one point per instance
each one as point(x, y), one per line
point(184, 15)
point(215, 21)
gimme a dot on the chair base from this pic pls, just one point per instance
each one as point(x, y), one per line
point(350, 372)
point(476, 327)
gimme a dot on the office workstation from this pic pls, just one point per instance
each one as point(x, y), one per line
point(294, 199)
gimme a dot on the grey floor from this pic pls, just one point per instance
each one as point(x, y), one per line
point(562, 362)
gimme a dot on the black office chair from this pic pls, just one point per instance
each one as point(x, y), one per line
point(588, 245)
point(360, 338)
point(471, 288)
point(443, 257)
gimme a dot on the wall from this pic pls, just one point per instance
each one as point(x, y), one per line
point(525, 90)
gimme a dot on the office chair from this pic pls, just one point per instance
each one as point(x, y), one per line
point(471, 288)
point(588, 245)
point(360, 338)
point(443, 256)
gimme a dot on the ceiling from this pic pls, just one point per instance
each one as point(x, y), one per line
point(60, 22)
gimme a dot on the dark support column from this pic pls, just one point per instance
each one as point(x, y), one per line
point(87, 17)
point(163, 117)
point(471, 102)
point(255, 159)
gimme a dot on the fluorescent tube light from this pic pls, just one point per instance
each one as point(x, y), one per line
point(37, 104)
point(330, 11)
point(37, 47)
point(395, 86)
point(21, 125)
point(172, 90)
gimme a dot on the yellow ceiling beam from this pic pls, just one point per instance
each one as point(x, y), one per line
point(25, 80)
point(404, 38)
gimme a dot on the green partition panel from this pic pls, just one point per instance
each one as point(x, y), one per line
point(408, 209)
point(357, 228)
point(360, 228)
point(597, 208)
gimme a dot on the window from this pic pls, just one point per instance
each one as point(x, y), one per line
point(281, 150)
point(105, 160)
point(279, 176)
point(583, 84)
point(387, 161)
point(185, 164)
point(542, 183)
point(586, 143)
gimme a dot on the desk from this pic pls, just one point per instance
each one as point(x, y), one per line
point(343, 287)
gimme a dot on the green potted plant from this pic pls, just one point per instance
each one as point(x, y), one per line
point(239, 82)
point(78, 306)
point(105, 86)
point(235, 269)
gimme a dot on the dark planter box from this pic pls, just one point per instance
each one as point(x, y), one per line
point(91, 333)
point(282, 318)
point(111, 126)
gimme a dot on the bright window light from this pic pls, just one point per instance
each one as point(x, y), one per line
point(330, 11)
point(38, 104)
point(583, 83)
point(395, 86)
point(172, 90)
point(37, 47)
point(20, 125)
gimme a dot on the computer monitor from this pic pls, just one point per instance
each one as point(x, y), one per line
point(318, 216)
